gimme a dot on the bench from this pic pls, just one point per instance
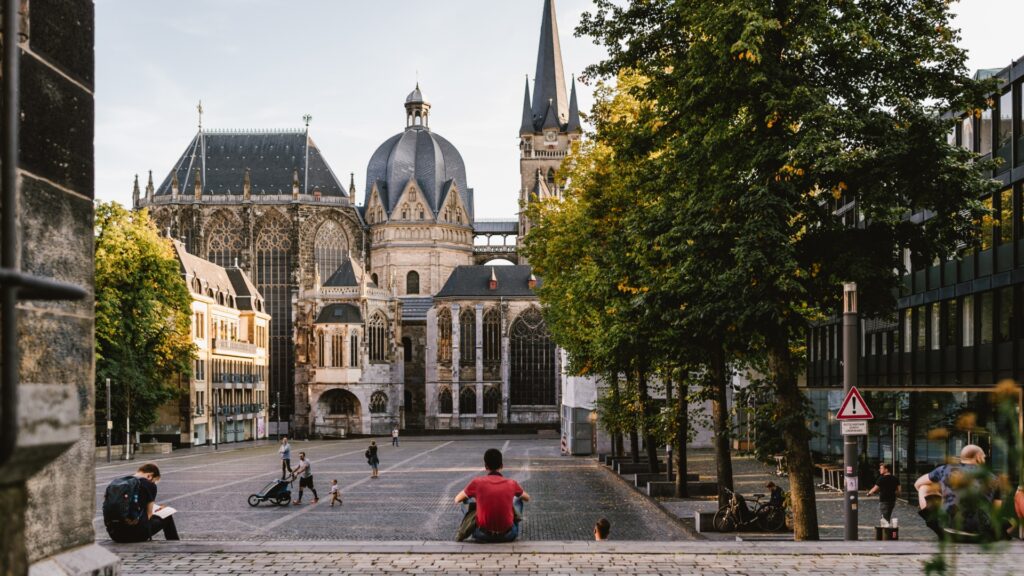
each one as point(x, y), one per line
point(642, 478)
point(631, 468)
point(668, 489)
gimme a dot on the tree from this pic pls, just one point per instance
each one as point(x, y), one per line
point(143, 315)
point(777, 119)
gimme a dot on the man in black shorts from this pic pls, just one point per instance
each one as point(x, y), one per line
point(887, 487)
point(305, 474)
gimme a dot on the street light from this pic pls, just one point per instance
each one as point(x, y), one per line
point(850, 442)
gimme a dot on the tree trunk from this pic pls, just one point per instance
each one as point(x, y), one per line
point(613, 383)
point(634, 436)
point(646, 408)
point(682, 434)
point(791, 408)
point(720, 417)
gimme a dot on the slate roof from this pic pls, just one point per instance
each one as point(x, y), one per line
point(231, 281)
point(222, 157)
point(245, 291)
point(340, 314)
point(343, 276)
point(473, 281)
point(414, 308)
point(421, 155)
point(550, 107)
point(508, 227)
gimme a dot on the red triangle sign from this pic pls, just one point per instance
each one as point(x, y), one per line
point(854, 408)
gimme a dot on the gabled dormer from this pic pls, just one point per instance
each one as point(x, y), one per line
point(412, 205)
point(375, 208)
point(453, 209)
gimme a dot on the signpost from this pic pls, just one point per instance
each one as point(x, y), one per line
point(852, 409)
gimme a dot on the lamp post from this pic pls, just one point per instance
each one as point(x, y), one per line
point(110, 422)
point(850, 442)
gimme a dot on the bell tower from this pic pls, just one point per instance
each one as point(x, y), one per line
point(551, 122)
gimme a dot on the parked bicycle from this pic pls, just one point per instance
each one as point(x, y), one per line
point(736, 514)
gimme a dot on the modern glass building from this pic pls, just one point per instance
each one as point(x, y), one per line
point(930, 369)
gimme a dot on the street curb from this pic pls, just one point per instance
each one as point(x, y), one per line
point(819, 548)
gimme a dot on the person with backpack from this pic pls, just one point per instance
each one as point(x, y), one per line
point(372, 459)
point(129, 506)
point(970, 493)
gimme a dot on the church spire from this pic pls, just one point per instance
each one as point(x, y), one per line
point(574, 111)
point(527, 126)
point(549, 81)
point(135, 193)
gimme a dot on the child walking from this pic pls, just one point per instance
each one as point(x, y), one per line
point(335, 493)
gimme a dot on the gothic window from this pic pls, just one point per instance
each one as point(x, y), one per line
point(337, 350)
point(321, 350)
point(378, 403)
point(444, 401)
point(467, 337)
point(330, 248)
point(224, 239)
point(373, 278)
point(412, 282)
point(274, 260)
point(492, 400)
point(467, 400)
point(551, 178)
point(444, 335)
point(378, 338)
point(492, 336)
point(532, 381)
point(353, 351)
point(407, 349)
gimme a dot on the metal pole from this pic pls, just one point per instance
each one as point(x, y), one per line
point(850, 444)
point(110, 421)
point(278, 415)
point(9, 249)
point(216, 418)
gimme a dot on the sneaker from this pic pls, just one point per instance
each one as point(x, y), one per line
point(296, 502)
point(315, 500)
point(884, 523)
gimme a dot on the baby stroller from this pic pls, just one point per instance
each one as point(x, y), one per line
point(279, 491)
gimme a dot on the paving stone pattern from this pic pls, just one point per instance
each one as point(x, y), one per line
point(297, 564)
point(412, 499)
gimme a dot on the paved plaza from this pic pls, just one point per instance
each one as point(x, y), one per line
point(411, 501)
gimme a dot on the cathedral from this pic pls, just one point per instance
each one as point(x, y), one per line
point(387, 313)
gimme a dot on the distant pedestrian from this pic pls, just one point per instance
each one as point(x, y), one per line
point(286, 457)
point(776, 497)
point(887, 487)
point(305, 473)
point(394, 436)
point(601, 529)
point(335, 493)
point(372, 459)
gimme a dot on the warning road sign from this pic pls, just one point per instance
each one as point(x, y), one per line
point(854, 408)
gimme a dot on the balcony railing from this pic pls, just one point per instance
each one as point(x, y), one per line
point(233, 346)
point(238, 409)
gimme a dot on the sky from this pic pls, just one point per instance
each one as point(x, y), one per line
point(259, 64)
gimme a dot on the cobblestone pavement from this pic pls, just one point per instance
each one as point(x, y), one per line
point(412, 499)
point(750, 476)
point(704, 558)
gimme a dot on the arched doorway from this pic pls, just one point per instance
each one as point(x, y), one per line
point(338, 414)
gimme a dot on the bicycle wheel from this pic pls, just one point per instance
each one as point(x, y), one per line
point(725, 520)
point(772, 518)
point(254, 500)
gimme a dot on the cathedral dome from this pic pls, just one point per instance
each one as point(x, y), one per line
point(416, 96)
point(421, 155)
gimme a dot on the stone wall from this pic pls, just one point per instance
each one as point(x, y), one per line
point(50, 482)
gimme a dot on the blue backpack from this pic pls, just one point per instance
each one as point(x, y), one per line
point(122, 503)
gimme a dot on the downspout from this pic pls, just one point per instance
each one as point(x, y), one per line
point(13, 284)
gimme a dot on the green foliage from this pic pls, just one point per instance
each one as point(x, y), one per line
point(143, 314)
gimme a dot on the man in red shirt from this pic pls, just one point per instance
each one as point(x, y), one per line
point(497, 501)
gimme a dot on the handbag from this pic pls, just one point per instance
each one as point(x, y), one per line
point(468, 524)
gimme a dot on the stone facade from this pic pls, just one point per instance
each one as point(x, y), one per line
point(49, 479)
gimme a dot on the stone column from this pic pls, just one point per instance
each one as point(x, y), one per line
point(455, 365)
point(505, 365)
point(430, 371)
point(48, 488)
point(480, 345)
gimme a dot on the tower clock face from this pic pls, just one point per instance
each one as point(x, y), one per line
point(550, 136)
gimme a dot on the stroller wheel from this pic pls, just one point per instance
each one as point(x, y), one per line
point(284, 500)
point(254, 500)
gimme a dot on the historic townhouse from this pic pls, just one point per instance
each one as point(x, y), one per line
point(226, 399)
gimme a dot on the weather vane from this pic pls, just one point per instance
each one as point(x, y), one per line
point(306, 118)
point(199, 109)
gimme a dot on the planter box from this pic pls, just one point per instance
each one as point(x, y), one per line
point(155, 448)
point(642, 478)
point(668, 489)
point(631, 468)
